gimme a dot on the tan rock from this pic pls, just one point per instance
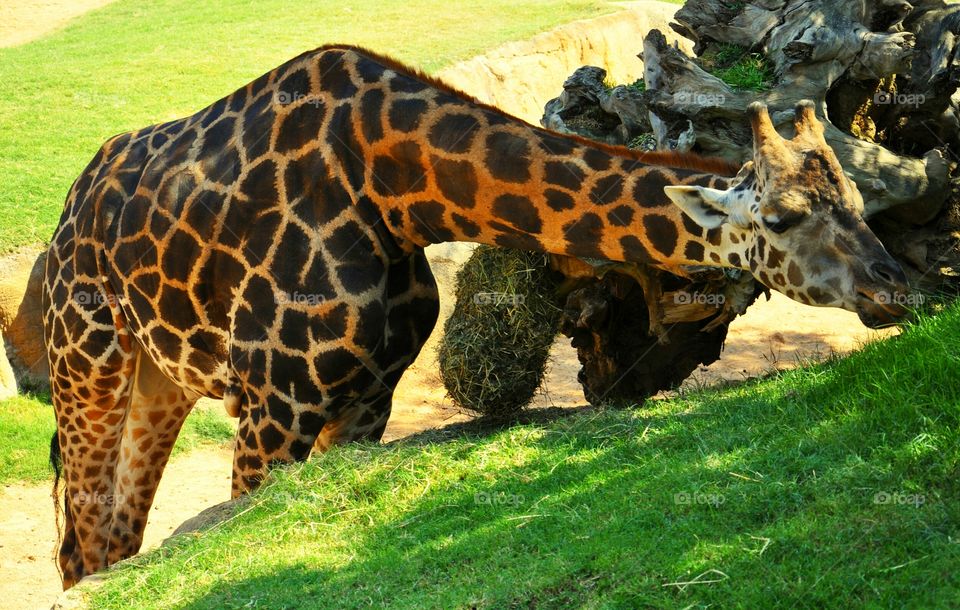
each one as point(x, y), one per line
point(21, 317)
point(208, 518)
point(8, 383)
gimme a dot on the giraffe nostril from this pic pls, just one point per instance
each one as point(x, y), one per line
point(887, 273)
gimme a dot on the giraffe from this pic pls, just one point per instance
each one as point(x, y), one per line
point(268, 250)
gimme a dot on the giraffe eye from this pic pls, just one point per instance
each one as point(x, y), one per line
point(780, 225)
point(777, 227)
point(784, 221)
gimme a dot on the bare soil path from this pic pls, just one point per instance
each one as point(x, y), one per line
point(25, 20)
point(192, 483)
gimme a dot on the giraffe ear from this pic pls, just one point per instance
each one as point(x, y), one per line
point(706, 206)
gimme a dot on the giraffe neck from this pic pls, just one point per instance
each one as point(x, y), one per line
point(438, 166)
point(502, 182)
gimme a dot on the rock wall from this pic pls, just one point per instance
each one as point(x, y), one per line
point(520, 77)
point(8, 384)
point(21, 320)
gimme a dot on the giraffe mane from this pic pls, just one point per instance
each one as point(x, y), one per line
point(669, 159)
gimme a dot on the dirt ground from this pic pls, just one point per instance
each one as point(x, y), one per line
point(774, 334)
point(24, 20)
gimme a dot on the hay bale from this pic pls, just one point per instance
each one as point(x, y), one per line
point(495, 345)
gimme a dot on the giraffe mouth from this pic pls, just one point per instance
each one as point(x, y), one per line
point(879, 309)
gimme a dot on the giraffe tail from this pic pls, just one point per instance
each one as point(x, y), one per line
point(56, 462)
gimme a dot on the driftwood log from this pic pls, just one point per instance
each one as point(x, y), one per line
point(884, 75)
point(639, 330)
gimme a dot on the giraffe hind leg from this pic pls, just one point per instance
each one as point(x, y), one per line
point(117, 419)
point(158, 408)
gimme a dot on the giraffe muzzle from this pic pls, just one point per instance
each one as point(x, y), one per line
point(876, 314)
point(882, 308)
point(884, 296)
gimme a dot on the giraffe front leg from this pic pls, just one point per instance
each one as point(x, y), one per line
point(263, 441)
point(272, 431)
point(365, 420)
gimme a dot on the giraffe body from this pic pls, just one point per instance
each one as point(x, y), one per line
point(268, 250)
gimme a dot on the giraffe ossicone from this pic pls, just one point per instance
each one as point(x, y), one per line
point(268, 250)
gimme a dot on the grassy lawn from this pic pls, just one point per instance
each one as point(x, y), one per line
point(27, 423)
point(833, 486)
point(135, 63)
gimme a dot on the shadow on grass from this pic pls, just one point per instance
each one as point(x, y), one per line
point(690, 514)
point(486, 426)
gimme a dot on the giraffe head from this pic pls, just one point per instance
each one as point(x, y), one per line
point(794, 220)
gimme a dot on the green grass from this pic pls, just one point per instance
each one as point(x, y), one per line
point(833, 486)
point(205, 427)
point(132, 64)
point(740, 69)
point(27, 423)
point(734, 65)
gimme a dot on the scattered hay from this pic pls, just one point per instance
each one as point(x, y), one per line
point(495, 345)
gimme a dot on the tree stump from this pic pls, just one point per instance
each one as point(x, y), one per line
point(638, 330)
